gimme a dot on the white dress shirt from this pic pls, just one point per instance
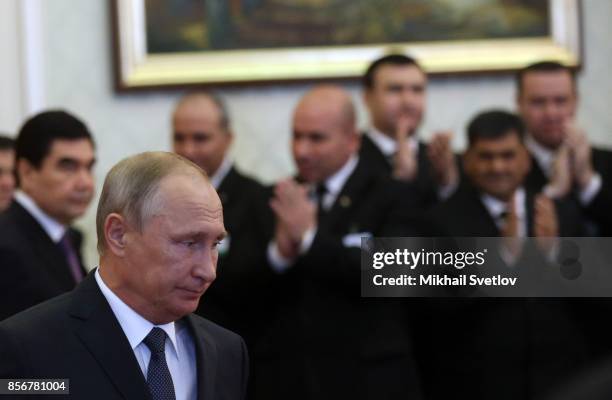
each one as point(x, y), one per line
point(388, 147)
point(334, 185)
point(180, 348)
point(496, 207)
point(54, 229)
point(221, 172)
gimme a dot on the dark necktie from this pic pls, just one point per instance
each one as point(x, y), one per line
point(321, 192)
point(159, 379)
point(71, 257)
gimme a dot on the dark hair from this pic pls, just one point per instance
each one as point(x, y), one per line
point(38, 133)
point(542, 66)
point(494, 124)
point(392, 59)
point(6, 143)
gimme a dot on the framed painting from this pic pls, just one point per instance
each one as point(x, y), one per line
point(187, 42)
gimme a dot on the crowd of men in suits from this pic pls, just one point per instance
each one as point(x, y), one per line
point(288, 274)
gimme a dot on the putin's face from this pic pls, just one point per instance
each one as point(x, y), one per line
point(397, 92)
point(172, 260)
point(497, 167)
point(547, 102)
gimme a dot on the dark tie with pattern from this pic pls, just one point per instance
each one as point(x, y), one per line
point(321, 192)
point(158, 374)
point(71, 257)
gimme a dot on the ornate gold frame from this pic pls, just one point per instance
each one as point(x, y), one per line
point(135, 68)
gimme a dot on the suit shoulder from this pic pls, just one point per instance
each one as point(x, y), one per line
point(216, 331)
point(38, 318)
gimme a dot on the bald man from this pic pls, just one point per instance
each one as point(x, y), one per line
point(326, 342)
point(202, 134)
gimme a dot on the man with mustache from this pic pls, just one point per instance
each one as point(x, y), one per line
point(394, 93)
point(563, 161)
point(39, 250)
point(501, 348)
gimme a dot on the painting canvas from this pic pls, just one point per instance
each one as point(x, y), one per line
point(198, 25)
point(174, 42)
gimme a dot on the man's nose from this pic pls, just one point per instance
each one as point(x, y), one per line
point(187, 149)
point(85, 179)
point(206, 268)
point(301, 149)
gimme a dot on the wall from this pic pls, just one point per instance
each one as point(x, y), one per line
point(77, 75)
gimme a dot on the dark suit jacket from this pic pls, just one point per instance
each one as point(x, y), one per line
point(238, 297)
point(425, 184)
point(77, 336)
point(598, 211)
point(326, 342)
point(33, 268)
point(495, 348)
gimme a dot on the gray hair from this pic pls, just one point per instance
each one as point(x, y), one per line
point(131, 186)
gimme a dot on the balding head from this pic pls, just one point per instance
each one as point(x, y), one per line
point(201, 130)
point(324, 132)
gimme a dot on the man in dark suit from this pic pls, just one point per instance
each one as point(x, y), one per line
point(39, 251)
point(127, 332)
point(325, 341)
point(202, 134)
point(564, 163)
point(7, 171)
point(394, 93)
point(508, 348)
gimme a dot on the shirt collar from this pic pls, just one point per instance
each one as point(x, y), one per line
point(54, 229)
point(135, 327)
point(496, 207)
point(543, 156)
point(387, 145)
point(335, 183)
point(221, 172)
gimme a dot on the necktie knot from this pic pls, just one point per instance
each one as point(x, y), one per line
point(156, 340)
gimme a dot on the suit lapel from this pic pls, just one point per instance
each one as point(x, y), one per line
point(536, 179)
point(352, 192)
point(226, 187)
point(99, 331)
point(48, 252)
point(372, 156)
point(206, 358)
point(482, 222)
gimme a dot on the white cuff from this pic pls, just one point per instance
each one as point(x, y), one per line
point(278, 263)
point(587, 194)
point(446, 191)
point(281, 264)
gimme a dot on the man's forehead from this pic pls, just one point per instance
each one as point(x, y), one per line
point(391, 72)
point(550, 80)
point(79, 149)
point(510, 140)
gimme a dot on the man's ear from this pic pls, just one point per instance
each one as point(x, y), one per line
point(115, 230)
